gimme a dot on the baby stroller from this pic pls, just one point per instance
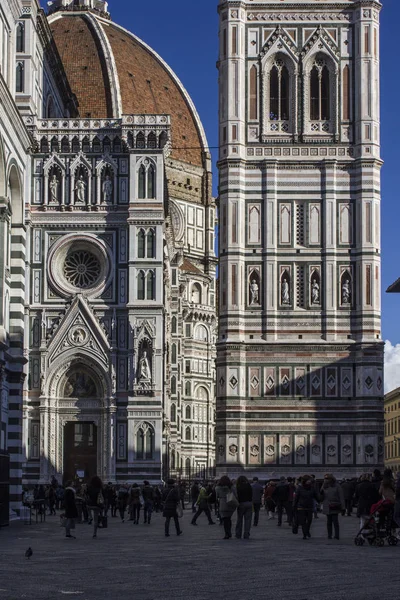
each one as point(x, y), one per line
point(379, 526)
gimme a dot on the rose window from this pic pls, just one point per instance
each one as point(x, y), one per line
point(82, 269)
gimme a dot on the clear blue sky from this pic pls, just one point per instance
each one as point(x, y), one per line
point(185, 34)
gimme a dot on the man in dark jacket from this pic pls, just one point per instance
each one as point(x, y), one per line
point(194, 494)
point(303, 503)
point(281, 497)
point(348, 489)
point(171, 499)
point(148, 497)
point(258, 492)
point(366, 495)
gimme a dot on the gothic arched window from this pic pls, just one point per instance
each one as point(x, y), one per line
point(173, 354)
point(188, 413)
point(20, 37)
point(142, 182)
point(149, 444)
point(141, 285)
point(145, 442)
point(319, 92)
point(346, 93)
point(150, 285)
point(188, 434)
point(173, 385)
point(152, 140)
point(173, 413)
point(151, 182)
point(140, 444)
point(140, 140)
point(20, 78)
point(141, 243)
point(174, 325)
point(150, 243)
point(188, 389)
point(253, 93)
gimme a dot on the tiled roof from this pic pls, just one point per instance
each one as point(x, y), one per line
point(189, 267)
point(146, 86)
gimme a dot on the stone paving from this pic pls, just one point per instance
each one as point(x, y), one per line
point(128, 561)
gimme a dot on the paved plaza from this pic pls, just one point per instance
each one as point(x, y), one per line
point(127, 561)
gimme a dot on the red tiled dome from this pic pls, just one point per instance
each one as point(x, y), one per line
point(112, 73)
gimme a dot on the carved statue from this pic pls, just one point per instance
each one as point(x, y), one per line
point(254, 292)
point(346, 292)
point(54, 185)
point(107, 190)
point(315, 299)
point(144, 368)
point(285, 291)
point(80, 190)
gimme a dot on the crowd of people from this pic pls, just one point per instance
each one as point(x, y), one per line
point(300, 501)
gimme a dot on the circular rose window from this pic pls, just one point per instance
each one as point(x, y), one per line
point(82, 269)
point(79, 264)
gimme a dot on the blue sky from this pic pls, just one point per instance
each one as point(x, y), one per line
point(185, 34)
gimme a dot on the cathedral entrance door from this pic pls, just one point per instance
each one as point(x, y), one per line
point(80, 451)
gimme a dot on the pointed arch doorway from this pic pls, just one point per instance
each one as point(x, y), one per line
point(80, 435)
point(80, 450)
point(79, 428)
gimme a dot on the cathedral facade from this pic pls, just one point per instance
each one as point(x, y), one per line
point(110, 338)
point(300, 355)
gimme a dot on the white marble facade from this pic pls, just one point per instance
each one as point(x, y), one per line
point(108, 295)
point(300, 355)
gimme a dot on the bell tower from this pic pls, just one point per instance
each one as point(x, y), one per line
point(300, 355)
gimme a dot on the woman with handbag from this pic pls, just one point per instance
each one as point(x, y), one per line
point(71, 512)
point(95, 501)
point(171, 499)
point(333, 503)
point(228, 503)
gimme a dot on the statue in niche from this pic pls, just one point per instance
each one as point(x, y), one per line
point(346, 292)
point(107, 190)
point(254, 292)
point(144, 368)
point(80, 190)
point(285, 291)
point(54, 185)
point(315, 292)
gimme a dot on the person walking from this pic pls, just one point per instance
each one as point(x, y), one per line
point(202, 504)
point(245, 508)
point(226, 508)
point(303, 504)
point(194, 494)
point(281, 497)
point(171, 499)
point(95, 501)
point(396, 514)
point(333, 503)
point(182, 493)
point(258, 492)
point(289, 505)
point(268, 499)
point(347, 487)
point(122, 501)
point(52, 500)
point(71, 512)
point(134, 503)
point(387, 488)
point(365, 496)
point(108, 498)
point(148, 498)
